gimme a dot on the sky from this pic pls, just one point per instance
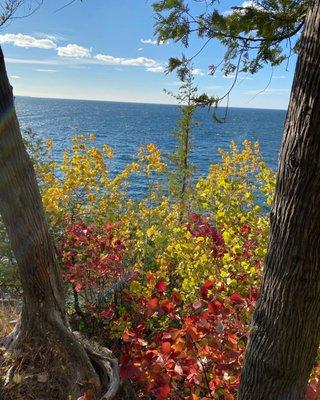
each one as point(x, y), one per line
point(106, 50)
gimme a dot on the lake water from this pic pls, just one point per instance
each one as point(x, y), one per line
point(125, 126)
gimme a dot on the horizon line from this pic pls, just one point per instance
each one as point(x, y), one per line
point(140, 102)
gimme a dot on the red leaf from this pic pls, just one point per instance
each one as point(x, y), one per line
point(236, 298)
point(232, 338)
point(161, 286)
point(212, 385)
point(215, 307)
point(205, 288)
point(245, 229)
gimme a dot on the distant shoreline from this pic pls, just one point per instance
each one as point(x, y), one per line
point(138, 102)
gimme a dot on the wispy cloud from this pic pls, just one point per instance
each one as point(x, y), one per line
point(10, 60)
point(14, 77)
point(74, 51)
point(56, 37)
point(279, 77)
point(240, 77)
point(153, 42)
point(27, 41)
point(275, 91)
point(45, 70)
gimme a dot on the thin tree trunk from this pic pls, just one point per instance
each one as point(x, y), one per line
point(285, 334)
point(43, 327)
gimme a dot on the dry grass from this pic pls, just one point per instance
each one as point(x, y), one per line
point(8, 315)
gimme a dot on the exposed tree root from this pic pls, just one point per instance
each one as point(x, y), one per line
point(59, 364)
point(104, 363)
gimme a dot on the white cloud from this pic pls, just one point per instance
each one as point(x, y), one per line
point(133, 62)
point(154, 42)
point(109, 60)
point(278, 77)
point(148, 41)
point(140, 49)
point(140, 62)
point(76, 54)
point(197, 72)
point(252, 4)
point(74, 51)
point(156, 69)
point(14, 77)
point(27, 41)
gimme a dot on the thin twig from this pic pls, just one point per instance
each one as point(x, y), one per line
point(65, 6)
point(263, 90)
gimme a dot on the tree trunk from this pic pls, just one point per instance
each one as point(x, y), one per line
point(43, 333)
point(285, 334)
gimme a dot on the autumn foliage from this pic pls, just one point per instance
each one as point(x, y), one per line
point(171, 291)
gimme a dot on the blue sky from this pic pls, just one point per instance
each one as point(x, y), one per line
point(104, 50)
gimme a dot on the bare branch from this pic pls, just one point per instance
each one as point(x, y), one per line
point(9, 9)
point(66, 5)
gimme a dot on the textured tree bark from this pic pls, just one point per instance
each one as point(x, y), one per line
point(43, 326)
point(286, 325)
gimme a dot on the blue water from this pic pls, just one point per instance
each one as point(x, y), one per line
point(125, 126)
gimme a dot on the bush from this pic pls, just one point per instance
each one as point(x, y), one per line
point(172, 291)
point(169, 287)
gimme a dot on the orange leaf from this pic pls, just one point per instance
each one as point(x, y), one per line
point(153, 304)
point(166, 347)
